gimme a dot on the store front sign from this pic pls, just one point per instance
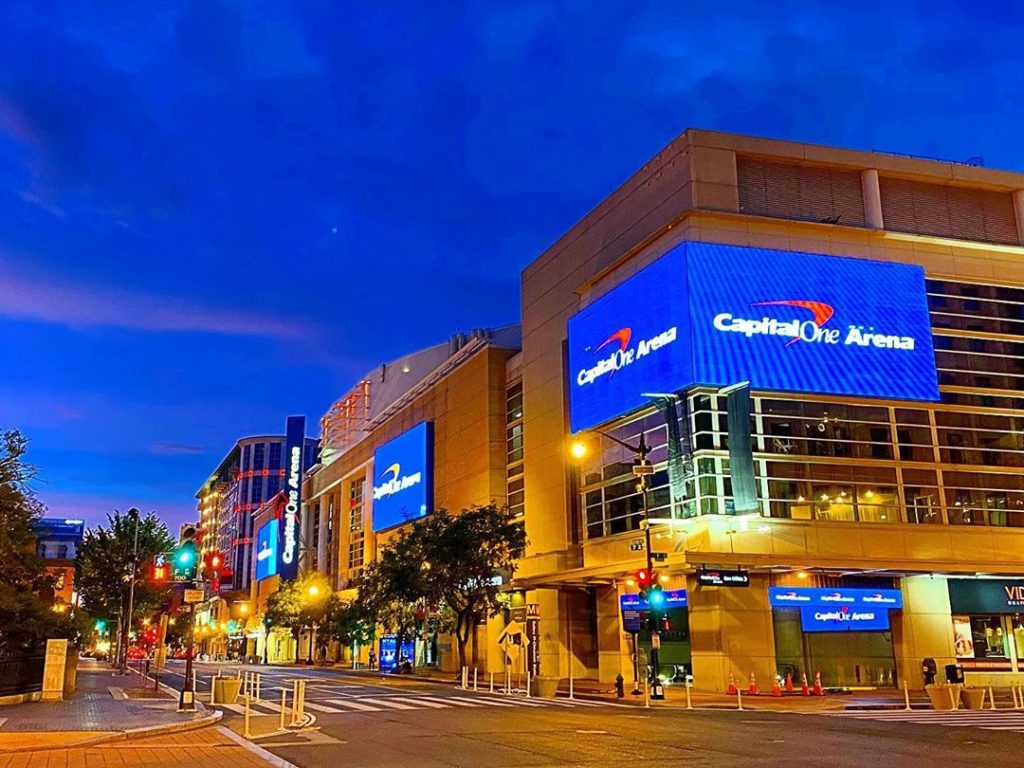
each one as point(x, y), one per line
point(717, 315)
point(821, 597)
point(266, 549)
point(986, 596)
point(709, 577)
point(403, 477)
point(674, 598)
point(843, 618)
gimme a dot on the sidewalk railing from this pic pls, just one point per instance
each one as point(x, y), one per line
point(21, 674)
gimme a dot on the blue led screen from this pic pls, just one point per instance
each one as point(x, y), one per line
point(718, 315)
point(844, 618)
point(403, 478)
point(267, 549)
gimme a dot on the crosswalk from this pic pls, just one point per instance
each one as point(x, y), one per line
point(408, 703)
point(985, 719)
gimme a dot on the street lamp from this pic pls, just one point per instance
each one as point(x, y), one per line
point(642, 470)
point(313, 591)
point(133, 513)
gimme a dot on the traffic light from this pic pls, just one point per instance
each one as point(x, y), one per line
point(161, 571)
point(213, 563)
point(644, 579)
point(186, 561)
point(101, 626)
point(656, 597)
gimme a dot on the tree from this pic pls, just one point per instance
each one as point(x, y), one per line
point(349, 623)
point(103, 568)
point(300, 604)
point(25, 620)
point(444, 561)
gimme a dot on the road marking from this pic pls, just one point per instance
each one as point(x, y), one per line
point(481, 700)
point(456, 701)
point(389, 704)
point(426, 701)
point(985, 719)
point(353, 705)
point(318, 707)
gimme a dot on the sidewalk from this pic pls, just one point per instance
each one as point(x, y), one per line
point(104, 708)
point(209, 746)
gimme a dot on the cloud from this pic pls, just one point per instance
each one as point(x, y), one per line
point(39, 298)
point(175, 449)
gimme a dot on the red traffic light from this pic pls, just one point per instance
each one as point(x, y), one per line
point(644, 578)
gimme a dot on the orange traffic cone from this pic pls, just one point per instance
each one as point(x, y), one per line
point(789, 682)
point(776, 688)
point(752, 688)
point(804, 690)
point(732, 685)
point(818, 691)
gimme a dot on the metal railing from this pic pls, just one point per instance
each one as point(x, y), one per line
point(21, 674)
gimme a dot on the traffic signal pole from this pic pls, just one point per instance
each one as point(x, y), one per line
point(127, 628)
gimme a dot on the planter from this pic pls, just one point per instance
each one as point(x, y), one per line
point(973, 698)
point(225, 689)
point(943, 697)
point(547, 687)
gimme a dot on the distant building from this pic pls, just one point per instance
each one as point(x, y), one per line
point(251, 472)
point(57, 542)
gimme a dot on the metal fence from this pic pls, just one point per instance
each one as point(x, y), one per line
point(21, 674)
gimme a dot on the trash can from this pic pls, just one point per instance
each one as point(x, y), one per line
point(943, 697)
point(547, 687)
point(929, 669)
point(225, 690)
point(954, 673)
point(973, 698)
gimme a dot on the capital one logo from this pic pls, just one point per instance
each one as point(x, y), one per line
point(395, 482)
point(810, 330)
point(618, 352)
point(844, 614)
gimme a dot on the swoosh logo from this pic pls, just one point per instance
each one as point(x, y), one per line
point(622, 336)
point(394, 469)
point(821, 312)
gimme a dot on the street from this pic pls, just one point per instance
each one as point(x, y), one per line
point(363, 721)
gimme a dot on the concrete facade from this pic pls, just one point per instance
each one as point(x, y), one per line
point(692, 191)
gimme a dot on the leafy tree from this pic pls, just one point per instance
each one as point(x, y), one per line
point(25, 619)
point(103, 568)
point(301, 604)
point(446, 561)
point(349, 623)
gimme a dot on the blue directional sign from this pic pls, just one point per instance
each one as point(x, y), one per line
point(267, 549)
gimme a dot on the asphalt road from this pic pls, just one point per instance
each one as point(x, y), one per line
point(364, 721)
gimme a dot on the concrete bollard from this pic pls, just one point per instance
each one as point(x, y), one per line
point(739, 698)
point(492, 682)
point(247, 733)
point(991, 698)
point(689, 704)
point(474, 679)
point(284, 705)
point(906, 696)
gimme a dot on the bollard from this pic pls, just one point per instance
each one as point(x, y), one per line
point(284, 705)
point(739, 699)
point(647, 692)
point(259, 683)
point(492, 682)
point(213, 687)
point(1015, 692)
point(527, 683)
point(906, 696)
point(295, 701)
point(571, 694)
point(689, 704)
point(247, 734)
point(953, 703)
point(302, 700)
point(991, 698)
point(474, 679)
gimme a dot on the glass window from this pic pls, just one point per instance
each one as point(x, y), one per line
point(259, 453)
point(275, 456)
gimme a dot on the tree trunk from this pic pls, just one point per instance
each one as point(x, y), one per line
point(461, 637)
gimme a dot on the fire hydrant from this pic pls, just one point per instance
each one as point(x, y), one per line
point(620, 690)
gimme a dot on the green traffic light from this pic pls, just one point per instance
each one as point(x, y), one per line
point(184, 557)
point(101, 626)
point(656, 597)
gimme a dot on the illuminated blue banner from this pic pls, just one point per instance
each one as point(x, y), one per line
point(294, 466)
point(844, 618)
point(403, 478)
point(674, 598)
point(827, 597)
point(266, 549)
point(718, 315)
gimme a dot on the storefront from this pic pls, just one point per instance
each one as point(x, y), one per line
point(674, 657)
point(988, 624)
point(843, 633)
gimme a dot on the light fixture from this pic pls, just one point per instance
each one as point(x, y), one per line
point(802, 574)
point(578, 449)
point(663, 578)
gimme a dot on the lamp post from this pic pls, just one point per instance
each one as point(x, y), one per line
point(642, 470)
point(126, 627)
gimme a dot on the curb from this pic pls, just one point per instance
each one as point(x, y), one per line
point(127, 735)
point(256, 749)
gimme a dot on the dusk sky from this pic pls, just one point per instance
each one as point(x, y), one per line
point(216, 214)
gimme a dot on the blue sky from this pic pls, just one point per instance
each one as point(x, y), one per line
point(219, 213)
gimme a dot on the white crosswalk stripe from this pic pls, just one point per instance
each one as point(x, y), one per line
point(352, 705)
point(985, 719)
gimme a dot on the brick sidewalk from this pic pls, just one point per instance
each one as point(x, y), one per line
point(208, 746)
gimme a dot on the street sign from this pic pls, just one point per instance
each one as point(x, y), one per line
point(709, 577)
point(636, 546)
point(193, 596)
